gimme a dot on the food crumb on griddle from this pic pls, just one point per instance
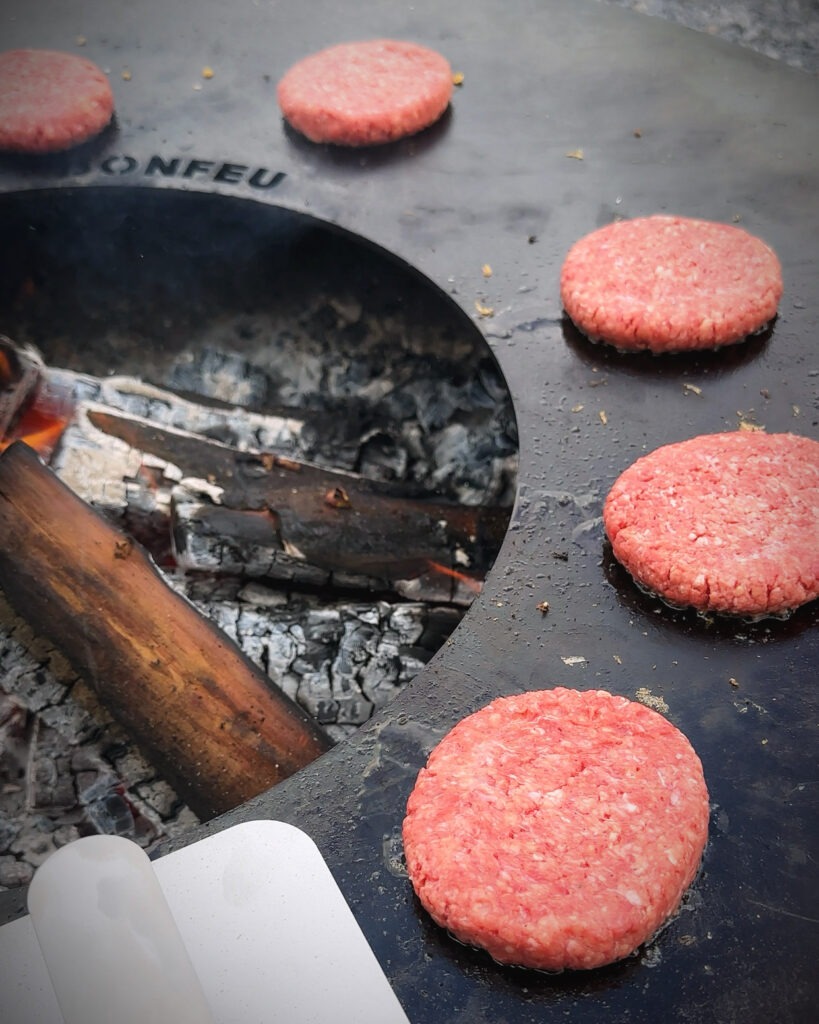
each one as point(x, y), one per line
point(651, 700)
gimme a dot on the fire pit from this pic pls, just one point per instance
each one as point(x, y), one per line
point(570, 115)
point(279, 337)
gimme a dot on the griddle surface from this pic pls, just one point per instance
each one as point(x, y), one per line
point(667, 121)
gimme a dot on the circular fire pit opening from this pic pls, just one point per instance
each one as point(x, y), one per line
point(171, 325)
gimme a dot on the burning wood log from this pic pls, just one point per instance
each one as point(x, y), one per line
point(213, 723)
point(299, 518)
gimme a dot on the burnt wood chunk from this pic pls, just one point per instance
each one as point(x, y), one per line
point(213, 723)
point(294, 513)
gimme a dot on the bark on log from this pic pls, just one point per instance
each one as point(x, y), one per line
point(212, 722)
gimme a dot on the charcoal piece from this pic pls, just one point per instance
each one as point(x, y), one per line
point(110, 815)
point(436, 402)
point(438, 625)
point(333, 433)
point(321, 652)
point(75, 723)
point(160, 797)
point(14, 872)
point(33, 845)
point(382, 458)
point(408, 626)
point(94, 786)
point(129, 766)
point(8, 832)
point(315, 694)
point(222, 375)
point(30, 682)
point(16, 726)
point(49, 782)
point(385, 672)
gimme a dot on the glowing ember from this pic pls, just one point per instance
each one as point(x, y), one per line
point(28, 412)
point(39, 432)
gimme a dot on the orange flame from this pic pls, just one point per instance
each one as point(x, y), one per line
point(39, 432)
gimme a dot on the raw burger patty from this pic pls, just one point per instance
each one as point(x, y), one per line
point(50, 100)
point(557, 829)
point(670, 284)
point(360, 94)
point(724, 522)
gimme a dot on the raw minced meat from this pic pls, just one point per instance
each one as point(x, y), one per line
point(670, 284)
point(557, 829)
point(725, 522)
point(366, 93)
point(50, 101)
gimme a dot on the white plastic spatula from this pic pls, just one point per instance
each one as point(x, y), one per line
point(265, 926)
point(102, 921)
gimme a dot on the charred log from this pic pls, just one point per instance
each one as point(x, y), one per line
point(214, 725)
point(318, 524)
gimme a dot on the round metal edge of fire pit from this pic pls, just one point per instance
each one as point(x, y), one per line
point(570, 114)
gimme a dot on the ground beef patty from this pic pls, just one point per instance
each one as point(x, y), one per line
point(670, 284)
point(723, 522)
point(557, 829)
point(50, 101)
point(361, 94)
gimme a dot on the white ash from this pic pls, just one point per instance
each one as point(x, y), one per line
point(340, 660)
point(67, 769)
